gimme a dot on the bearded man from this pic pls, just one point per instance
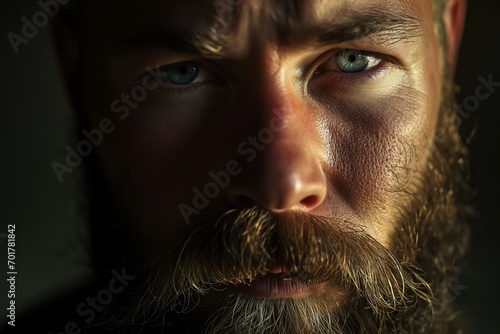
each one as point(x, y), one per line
point(266, 166)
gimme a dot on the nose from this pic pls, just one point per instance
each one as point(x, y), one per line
point(285, 175)
point(283, 169)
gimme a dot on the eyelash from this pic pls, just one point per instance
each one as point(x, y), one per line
point(385, 62)
point(167, 87)
point(173, 89)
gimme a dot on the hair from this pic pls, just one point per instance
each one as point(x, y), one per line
point(439, 8)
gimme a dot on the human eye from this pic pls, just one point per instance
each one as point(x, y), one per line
point(184, 77)
point(350, 61)
point(344, 72)
point(185, 73)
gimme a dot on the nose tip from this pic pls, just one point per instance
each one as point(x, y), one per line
point(285, 182)
point(290, 192)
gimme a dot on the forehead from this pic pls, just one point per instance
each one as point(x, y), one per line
point(294, 9)
point(232, 17)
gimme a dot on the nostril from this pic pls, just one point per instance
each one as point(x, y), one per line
point(310, 201)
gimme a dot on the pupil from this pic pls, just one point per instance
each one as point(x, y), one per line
point(352, 58)
point(183, 73)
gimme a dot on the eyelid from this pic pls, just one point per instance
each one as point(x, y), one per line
point(328, 55)
point(203, 71)
point(157, 68)
point(384, 57)
point(164, 86)
point(381, 56)
point(372, 61)
point(317, 74)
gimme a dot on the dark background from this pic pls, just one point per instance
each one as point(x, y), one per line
point(480, 56)
point(35, 123)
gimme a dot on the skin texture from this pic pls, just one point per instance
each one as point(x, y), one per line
point(342, 134)
point(351, 148)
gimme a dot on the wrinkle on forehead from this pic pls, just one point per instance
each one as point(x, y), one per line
point(216, 28)
point(283, 21)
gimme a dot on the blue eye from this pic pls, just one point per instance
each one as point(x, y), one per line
point(352, 61)
point(182, 73)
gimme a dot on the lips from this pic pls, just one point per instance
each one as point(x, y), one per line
point(276, 285)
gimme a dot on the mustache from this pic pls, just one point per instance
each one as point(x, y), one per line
point(248, 243)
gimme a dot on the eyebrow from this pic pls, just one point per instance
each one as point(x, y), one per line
point(180, 40)
point(383, 26)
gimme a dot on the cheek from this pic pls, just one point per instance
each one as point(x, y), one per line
point(152, 125)
point(377, 146)
point(160, 152)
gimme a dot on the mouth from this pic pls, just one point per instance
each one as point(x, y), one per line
point(277, 284)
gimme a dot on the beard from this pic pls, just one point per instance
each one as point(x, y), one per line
point(363, 287)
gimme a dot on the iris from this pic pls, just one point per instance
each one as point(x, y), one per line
point(352, 61)
point(182, 73)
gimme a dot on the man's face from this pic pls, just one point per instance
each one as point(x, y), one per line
point(338, 141)
point(276, 109)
